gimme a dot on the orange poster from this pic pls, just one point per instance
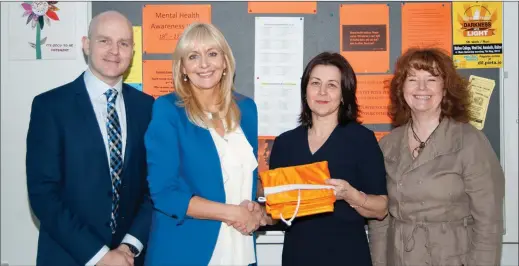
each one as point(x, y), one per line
point(364, 36)
point(380, 134)
point(373, 98)
point(264, 147)
point(427, 25)
point(283, 7)
point(162, 25)
point(157, 77)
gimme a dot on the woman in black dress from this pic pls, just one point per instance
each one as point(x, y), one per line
point(329, 131)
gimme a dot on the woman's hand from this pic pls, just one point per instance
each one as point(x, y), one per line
point(369, 206)
point(248, 216)
point(259, 211)
point(344, 191)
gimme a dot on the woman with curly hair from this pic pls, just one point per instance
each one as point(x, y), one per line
point(445, 183)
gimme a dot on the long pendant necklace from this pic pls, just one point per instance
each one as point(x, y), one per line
point(421, 144)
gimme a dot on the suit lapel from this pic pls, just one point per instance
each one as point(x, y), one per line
point(130, 125)
point(249, 126)
point(208, 152)
point(86, 110)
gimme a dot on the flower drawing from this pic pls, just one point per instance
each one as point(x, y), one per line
point(39, 13)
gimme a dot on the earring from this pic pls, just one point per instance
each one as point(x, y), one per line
point(342, 101)
point(185, 77)
point(224, 73)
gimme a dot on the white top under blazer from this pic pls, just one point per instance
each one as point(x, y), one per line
point(238, 162)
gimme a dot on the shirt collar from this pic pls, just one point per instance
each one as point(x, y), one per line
point(96, 88)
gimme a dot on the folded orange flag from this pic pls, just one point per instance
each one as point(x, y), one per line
point(297, 191)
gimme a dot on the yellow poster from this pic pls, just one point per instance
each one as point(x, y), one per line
point(480, 90)
point(134, 73)
point(477, 34)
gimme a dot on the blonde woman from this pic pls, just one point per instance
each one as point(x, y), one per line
point(201, 151)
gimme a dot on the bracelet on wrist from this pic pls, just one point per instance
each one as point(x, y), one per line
point(364, 203)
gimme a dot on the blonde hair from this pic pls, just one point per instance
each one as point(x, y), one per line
point(209, 35)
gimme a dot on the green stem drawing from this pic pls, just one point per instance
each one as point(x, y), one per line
point(38, 45)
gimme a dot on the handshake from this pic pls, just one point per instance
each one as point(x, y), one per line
point(247, 217)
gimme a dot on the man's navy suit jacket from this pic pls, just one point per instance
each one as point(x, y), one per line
point(68, 176)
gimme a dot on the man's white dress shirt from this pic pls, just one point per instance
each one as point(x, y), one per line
point(96, 89)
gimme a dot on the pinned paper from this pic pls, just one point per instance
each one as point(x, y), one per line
point(480, 92)
point(265, 144)
point(283, 7)
point(373, 98)
point(364, 36)
point(426, 25)
point(380, 134)
point(278, 67)
point(477, 34)
point(134, 73)
point(163, 24)
point(158, 77)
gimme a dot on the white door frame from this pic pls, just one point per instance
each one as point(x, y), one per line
point(509, 115)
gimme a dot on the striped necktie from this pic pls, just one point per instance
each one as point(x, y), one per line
point(116, 159)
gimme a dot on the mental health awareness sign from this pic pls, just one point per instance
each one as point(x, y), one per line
point(477, 34)
point(162, 25)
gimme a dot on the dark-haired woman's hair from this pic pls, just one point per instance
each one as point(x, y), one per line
point(348, 109)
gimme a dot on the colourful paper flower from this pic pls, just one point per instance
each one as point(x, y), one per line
point(40, 13)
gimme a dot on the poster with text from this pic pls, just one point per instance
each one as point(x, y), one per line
point(265, 144)
point(42, 30)
point(162, 25)
point(282, 7)
point(158, 77)
point(278, 67)
point(134, 73)
point(364, 36)
point(427, 25)
point(477, 34)
point(480, 92)
point(373, 98)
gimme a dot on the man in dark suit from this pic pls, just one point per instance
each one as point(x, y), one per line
point(86, 161)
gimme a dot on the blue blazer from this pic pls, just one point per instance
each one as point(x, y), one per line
point(68, 176)
point(183, 162)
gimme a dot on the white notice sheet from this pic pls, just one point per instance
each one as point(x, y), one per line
point(278, 67)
